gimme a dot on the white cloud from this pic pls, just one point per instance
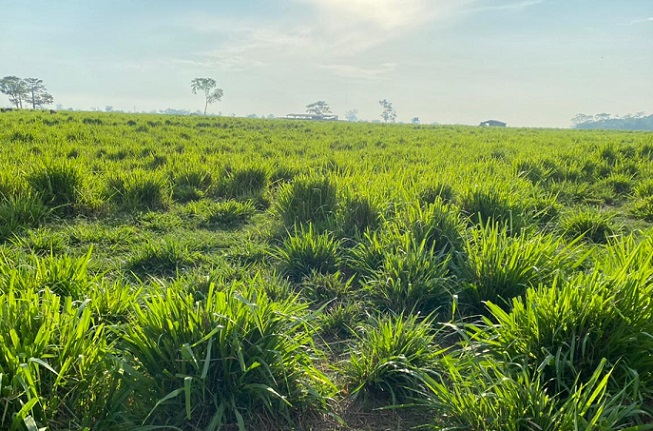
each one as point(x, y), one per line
point(638, 21)
point(384, 14)
point(362, 73)
point(513, 6)
point(335, 35)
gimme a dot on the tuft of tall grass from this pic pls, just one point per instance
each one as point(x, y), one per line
point(412, 277)
point(225, 214)
point(437, 224)
point(166, 257)
point(391, 357)
point(568, 329)
point(65, 275)
point(139, 190)
point(248, 181)
point(306, 252)
point(318, 287)
point(498, 267)
point(494, 206)
point(358, 214)
point(643, 208)
point(340, 319)
point(591, 225)
point(478, 394)
point(59, 185)
point(437, 192)
point(307, 200)
point(221, 361)
point(21, 212)
point(191, 184)
point(56, 369)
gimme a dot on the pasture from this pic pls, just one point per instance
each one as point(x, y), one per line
point(206, 273)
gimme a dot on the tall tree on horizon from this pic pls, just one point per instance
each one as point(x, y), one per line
point(37, 95)
point(318, 108)
point(15, 88)
point(389, 113)
point(207, 86)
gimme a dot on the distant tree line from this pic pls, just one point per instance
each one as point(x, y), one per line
point(639, 121)
point(29, 91)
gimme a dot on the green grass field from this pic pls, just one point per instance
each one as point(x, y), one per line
point(205, 273)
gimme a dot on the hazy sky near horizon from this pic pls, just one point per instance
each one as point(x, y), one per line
point(525, 62)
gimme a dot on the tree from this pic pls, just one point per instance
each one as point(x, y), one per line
point(388, 113)
point(414, 120)
point(581, 118)
point(15, 88)
point(207, 85)
point(318, 108)
point(37, 94)
point(352, 115)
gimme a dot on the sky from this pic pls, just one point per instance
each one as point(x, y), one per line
point(533, 63)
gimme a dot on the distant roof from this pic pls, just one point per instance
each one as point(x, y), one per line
point(493, 123)
point(312, 117)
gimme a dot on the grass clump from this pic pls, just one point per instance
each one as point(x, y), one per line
point(248, 181)
point(55, 366)
point(590, 225)
point(18, 213)
point(643, 208)
point(65, 275)
point(226, 214)
point(319, 287)
point(41, 242)
point(307, 200)
point(412, 277)
point(307, 252)
point(222, 361)
point(358, 214)
point(191, 184)
point(432, 193)
point(59, 185)
point(483, 206)
point(568, 329)
point(166, 257)
point(498, 267)
point(480, 393)
point(437, 224)
point(139, 190)
point(391, 357)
